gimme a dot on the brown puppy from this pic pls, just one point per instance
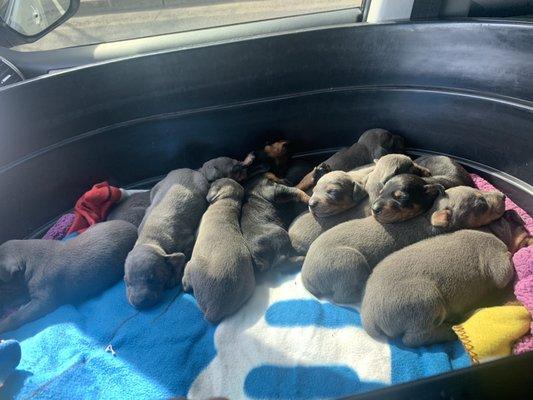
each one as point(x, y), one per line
point(372, 145)
point(419, 292)
point(406, 196)
point(340, 260)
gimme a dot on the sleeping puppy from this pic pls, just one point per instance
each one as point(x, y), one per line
point(401, 194)
point(337, 197)
point(262, 225)
point(225, 167)
point(131, 209)
point(166, 233)
point(273, 157)
point(40, 275)
point(220, 271)
point(445, 171)
point(166, 236)
point(340, 260)
point(372, 145)
point(387, 167)
point(419, 292)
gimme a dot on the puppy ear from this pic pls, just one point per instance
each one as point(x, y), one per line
point(250, 158)
point(320, 171)
point(212, 195)
point(177, 260)
point(359, 192)
point(420, 171)
point(9, 268)
point(441, 218)
point(434, 190)
point(379, 152)
point(177, 263)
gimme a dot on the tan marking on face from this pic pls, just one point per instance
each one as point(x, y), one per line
point(390, 214)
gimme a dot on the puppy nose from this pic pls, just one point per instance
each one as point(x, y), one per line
point(377, 208)
point(313, 203)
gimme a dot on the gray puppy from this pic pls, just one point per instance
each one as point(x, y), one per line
point(419, 292)
point(387, 167)
point(337, 197)
point(40, 275)
point(445, 171)
point(225, 167)
point(131, 209)
point(262, 225)
point(340, 260)
point(166, 236)
point(372, 145)
point(220, 271)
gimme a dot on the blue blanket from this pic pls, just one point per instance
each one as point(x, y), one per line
point(284, 344)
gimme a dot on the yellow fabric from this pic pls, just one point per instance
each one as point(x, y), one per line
point(491, 332)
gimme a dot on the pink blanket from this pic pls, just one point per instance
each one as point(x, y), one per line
point(523, 262)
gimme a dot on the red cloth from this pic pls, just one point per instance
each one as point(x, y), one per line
point(94, 206)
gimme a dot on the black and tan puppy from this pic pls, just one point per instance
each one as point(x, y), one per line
point(262, 225)
point(38, 276)
point(340, 260)
point(406, 196)
point(220, 271)
point(388, 167)
point(273, 157)
point(337, 197)
point(372, 145)
point(419, 292)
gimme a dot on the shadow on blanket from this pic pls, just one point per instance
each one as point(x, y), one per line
point(282, 344)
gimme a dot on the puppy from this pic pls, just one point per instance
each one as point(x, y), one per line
point(340, 260)
point(40, 275)
point(387, 167)
point(225, 167)
point(273, 157)
point(262, 225)
point(419, 292)
point(337, 197)
point(406, 196)
point(131, 209)
point(372, 145)
point(220, 271)
point(445, 171)
point(166, 236)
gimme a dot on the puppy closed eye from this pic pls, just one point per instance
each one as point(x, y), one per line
point(481, 205)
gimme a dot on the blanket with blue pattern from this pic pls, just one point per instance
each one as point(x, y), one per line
point(283, 344)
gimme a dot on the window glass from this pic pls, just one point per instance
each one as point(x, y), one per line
point(99, 21)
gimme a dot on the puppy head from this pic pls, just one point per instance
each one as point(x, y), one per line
point(277, 150)
point(225, 167)
point(149, 272)
point(463, 207)
point(388, 166)
point(511, 230)
point(223, 189)
point(335, 192)
point(380, 142)
point(404, 197)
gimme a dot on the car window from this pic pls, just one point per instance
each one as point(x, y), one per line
point(99, 21)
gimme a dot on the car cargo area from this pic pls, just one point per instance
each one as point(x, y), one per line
point(461, 89)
